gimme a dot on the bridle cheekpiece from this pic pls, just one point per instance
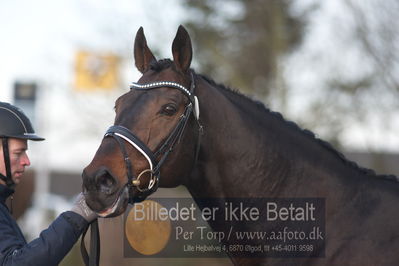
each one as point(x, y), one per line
point(121, 134)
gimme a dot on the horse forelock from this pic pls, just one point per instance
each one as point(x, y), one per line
point(290, 125)
point(161, 64)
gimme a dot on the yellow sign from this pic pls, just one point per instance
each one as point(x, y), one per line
point(95, 71)
point(145, 234)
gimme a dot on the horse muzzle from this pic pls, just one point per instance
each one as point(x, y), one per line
point(119, 205)
point(104, 194)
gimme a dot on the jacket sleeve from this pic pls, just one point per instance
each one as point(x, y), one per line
point(51, 246)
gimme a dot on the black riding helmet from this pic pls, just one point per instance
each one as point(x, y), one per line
point(13, 124)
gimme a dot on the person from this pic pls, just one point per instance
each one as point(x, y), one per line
point(56, 241)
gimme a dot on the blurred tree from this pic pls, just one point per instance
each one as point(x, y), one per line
point(344, 51)
point(376, 29)
point(361, 83)
point(240, 42)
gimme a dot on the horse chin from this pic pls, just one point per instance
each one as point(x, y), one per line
point(118, 207)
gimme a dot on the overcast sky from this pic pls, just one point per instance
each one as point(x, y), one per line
point(38, 37)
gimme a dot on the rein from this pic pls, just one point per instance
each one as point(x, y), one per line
point(122, 134)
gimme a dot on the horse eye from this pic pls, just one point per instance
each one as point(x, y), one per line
point(169, 109)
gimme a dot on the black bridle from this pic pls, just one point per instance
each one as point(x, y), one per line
point(122, 134)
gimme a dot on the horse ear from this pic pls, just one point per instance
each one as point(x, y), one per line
point(182, 49)
point(142, 54)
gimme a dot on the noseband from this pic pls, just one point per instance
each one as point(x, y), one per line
point(121, 134)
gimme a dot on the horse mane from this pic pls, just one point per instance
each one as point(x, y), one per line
point(261, 107)
point(166, 63)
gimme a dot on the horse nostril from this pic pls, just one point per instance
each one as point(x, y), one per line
point(105, 181)
point(88, 182)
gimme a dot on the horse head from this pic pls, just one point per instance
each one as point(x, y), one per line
point(157, 116)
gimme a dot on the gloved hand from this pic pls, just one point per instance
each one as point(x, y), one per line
point(80, 207)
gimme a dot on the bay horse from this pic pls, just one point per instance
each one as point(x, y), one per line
point(175, 127)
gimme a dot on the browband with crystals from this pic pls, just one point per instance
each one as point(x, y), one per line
point(192, 98)
point(161, 84)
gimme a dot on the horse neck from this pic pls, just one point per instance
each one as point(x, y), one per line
point(247, 151)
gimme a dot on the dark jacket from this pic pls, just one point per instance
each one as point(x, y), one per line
point(48, 249)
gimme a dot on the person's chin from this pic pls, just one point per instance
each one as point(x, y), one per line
point(17, 178)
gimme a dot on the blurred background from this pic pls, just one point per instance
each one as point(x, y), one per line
point(332, 66)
